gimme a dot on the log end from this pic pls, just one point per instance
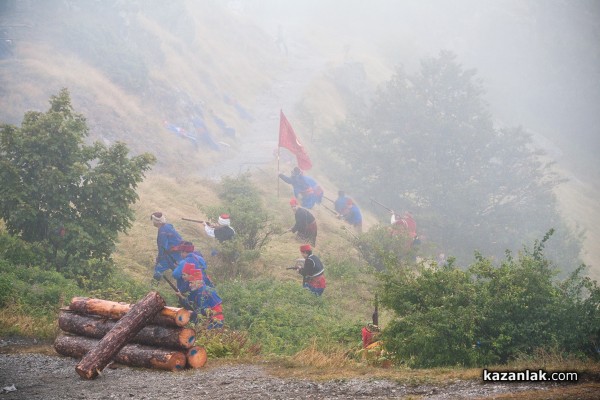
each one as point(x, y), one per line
point(175, 361)
point(183, 316)
point(196, 357)
point(87, 373)
point(187, 338)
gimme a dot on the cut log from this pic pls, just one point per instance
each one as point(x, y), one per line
point(124, 330)
point(133, 355)
point(169, 316)
point(153, 335)
point(196, 357)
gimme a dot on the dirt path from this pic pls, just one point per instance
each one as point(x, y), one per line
point(32, 370)
point(37, 376)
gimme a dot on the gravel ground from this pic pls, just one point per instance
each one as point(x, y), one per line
point(50, 377)
point(37, 376)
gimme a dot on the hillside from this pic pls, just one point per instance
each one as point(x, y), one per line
point(201, 88)
point(165, 194)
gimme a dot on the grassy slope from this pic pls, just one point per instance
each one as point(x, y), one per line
point(181, 197)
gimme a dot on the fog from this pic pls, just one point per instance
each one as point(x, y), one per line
point(539, 60)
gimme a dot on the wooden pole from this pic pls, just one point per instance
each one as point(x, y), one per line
point(169, 316)
point(153, 335)
point(124, 330)
point(132, 355)
point(196, 357)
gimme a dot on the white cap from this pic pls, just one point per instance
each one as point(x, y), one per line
point(224, 219)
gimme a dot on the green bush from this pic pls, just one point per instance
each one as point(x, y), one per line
point(382, 250)
point(120, 287)
point(436, 311)
point(39, 292)
point(69, 197)
point(89, 274)
point(487, 314)
point(7, 292)
point(18, 252)
point(254, 226)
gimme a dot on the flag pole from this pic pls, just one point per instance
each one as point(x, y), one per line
point(278, 150)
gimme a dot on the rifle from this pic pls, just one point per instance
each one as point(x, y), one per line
point(350, 232)
point(185, 301)
point(329, 209)
point(193, 220)
point(376, 202)
point(327, 198)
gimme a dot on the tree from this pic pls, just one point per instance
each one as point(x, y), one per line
point(428, 144)
point(56, 189)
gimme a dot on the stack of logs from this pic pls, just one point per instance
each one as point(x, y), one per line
point(148, 334)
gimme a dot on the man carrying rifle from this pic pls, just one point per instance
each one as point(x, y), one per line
point(404, 225)
point(166, 240)
point(313, 271)
point(222, 231)
point(188, 255)
point(203, 299)
point(340, 203)
point(352, 215)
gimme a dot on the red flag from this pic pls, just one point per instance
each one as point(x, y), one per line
point(288, 139)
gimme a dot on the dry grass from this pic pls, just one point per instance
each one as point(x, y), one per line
point(177, 198)
point(14, 321)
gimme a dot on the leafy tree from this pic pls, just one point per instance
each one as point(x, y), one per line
point(56, 189)
point(427, 144)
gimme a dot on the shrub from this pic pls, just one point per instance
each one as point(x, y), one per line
point(382, 250)
point(254, 226)
point(344, 269)
point(37, 291)
point(18, 252)
point(487, 314)
point(226, 343)
point(7, 292)
point(436, 316)
point(57, 191)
